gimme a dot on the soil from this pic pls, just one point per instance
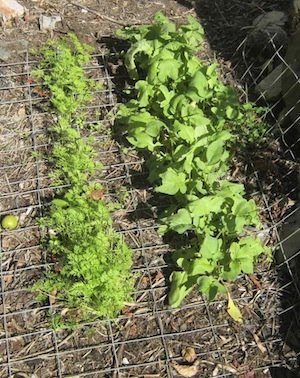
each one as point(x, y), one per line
point(148, 337)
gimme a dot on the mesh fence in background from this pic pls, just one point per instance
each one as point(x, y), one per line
point(148, 338)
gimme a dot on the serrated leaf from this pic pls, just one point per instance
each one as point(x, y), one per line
point(234, 311)
point(168, 69)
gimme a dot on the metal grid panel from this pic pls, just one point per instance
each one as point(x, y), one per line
point(147, 337)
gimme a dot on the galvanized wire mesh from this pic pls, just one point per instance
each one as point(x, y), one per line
point(148, 337)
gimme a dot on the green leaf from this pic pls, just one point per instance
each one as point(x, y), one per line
point(172, 182)
point(180, 287)
point(168, 69)
point(231, 113)
point(210, 248)
point(187, 133)
point(205, 205)
point(139, 47)
point(144, 92)
point(210, 287)
point(199, 83)
point(214, 152)
point(181, 221)
point(154, 127)
point(200, 266)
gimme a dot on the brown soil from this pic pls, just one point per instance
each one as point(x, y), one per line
point(148, 336)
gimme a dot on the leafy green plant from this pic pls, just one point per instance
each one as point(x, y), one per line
point(91, 264)
point(189, 122)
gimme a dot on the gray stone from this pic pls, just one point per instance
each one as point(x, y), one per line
point(290, 238)
point(270, 87)
point(269, 20)
point(291, 82)
point(48, 22)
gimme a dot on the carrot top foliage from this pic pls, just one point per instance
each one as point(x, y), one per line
point(91, 274)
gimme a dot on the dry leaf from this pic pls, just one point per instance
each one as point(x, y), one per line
point(52, 297)
point(97, 194)
point(7, 279)
point(158, 277)
point(233, 310)
point(189, 354)
point(255, 281)
point(186, 370)
point(259, 344)
point(72, 314)
point(64, 311)
point(13, 325)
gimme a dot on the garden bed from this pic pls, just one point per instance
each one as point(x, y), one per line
point(148, 337)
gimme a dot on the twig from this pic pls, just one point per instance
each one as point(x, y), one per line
point(103, 17)
point(121, 350)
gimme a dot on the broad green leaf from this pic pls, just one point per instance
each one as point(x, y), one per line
point(205, 205)
point(214, 152)
point(180, 287)
point(144, 92)
point(181, 221)
point(231, 113)
point(211, 69)
point(188, 162)
point(168, 69)
point(234, 311)
point(176, 103)
point(172, 182)
point(193, 65)
point(232, 271)
point(142, 46)
point(59, 202)
point(154, 127)
point(210, 248)
point(247, 265)
point(200, 266)
point(199, 83)
point(166, 25)
point(210, 287)
point(187, 133)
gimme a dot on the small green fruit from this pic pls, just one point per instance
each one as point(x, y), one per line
point(9, 222)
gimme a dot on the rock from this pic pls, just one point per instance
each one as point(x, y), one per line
point(267, 35)
point(10, 9)
point(270, 87)
point(270, 19)
point(291, 82)
point(9, 48)
point(48, 22)
point(290, 237)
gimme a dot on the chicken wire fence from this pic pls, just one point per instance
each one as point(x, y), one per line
point(148, 338)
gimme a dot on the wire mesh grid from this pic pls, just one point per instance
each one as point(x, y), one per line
point(148, 337)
